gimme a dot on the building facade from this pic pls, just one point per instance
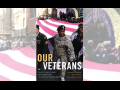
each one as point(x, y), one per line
point(19, 23)
point(5, 23)
point(44, 12)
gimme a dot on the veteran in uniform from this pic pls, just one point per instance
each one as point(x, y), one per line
point(63, 49)
point(42, 44)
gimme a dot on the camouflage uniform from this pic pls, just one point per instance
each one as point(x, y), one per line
point(64, 50)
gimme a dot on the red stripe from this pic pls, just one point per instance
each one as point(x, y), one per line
point(47, 29)
point(9, 62)
point(65, 22)
point(2, 78)
point(107, 67)
point(67, 28)
point(27, 51)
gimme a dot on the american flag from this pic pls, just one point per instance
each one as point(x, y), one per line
point(49, 27)
point(18, 64)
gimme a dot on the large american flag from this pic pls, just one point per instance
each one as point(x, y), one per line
point(49, 27)
point(18, 64)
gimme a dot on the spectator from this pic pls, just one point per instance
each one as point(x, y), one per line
point(85, 55)
point(2, 47)
point(24, 44)
point(8, 47)
point(66, 20)
point(111, 56)
point(77, 41)
point(71, 20)
point(33, 45)
point(63, 16)
point(90, 49)
point(107, 47)
point(99, 54)
point(18, 45)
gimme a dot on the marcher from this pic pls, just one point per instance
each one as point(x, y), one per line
point(77, 41)
point(42, 44)
point(63, 49)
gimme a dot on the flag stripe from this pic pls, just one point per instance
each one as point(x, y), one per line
point(97, 66)
point(67, 28)
point(64, 22)
point(30, 54)
point(15, 75)
point(47, 34)
point(18, 64)
point(4, 78)
point(46, 29)
point(18, 57)
point(54, 29)
point(9, 62)
point(66, 25)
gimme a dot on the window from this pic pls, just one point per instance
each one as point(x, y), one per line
point(17, 21)
point(23, 22)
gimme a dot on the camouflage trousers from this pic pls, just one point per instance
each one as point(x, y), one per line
point(62, 58)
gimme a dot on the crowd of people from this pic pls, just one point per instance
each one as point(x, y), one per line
point(102, 53)
point(97, 46)
point(9, 44)
point(67, 17)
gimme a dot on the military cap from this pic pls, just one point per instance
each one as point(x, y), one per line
point(61, 27)
point(80, 25)
point(37, 26)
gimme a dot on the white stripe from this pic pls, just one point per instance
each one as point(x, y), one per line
point(42, 31)
point(20, 57)
point(100, 75)
point(54, 28)
point(46, 34)
point(15, 75)
point(66, 25)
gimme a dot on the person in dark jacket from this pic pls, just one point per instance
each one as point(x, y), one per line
point(77, 41)
point(110, 57)
point(42, 44)
point(90, 49)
